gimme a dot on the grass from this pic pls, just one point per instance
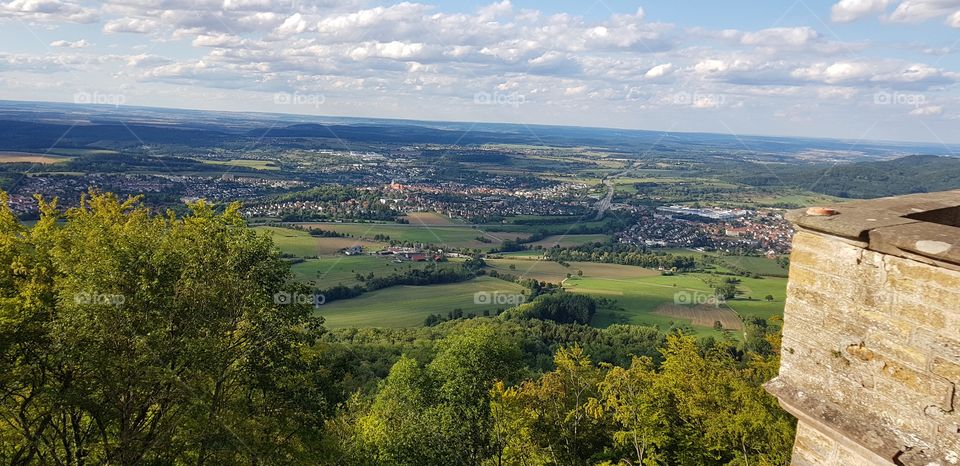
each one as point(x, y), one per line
point(757, 265)
point(639, 298)
point(548, 271)
point(300, 244)
point(428, 218)
point(638, 292)
point(528, 254)
point(330, 271)
point(753, 264)
point(757, 289)
point(443, 236)
point(408, 306)
point(568, 241)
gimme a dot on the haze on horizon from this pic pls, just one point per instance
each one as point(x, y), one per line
point(853, 69)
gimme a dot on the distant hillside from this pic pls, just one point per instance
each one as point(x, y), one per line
point(906, 175)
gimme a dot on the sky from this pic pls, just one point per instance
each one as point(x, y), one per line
point(852, 69)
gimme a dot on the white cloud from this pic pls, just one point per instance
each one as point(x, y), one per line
point(954, 20)
point(906, 11)
point(659, 71)
point(582, 65)
point(48, 11)
point(294, 24)
point(833, 73)
point(146, 60)
point(79, 44)
point(852, 10)
point(131, 25)
point(393, 50)
point(913, 11)
point(795, 36)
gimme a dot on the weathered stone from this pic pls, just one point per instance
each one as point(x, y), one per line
point(943, 347)
point(871, 338)
point(949, 370)
point(921, 313)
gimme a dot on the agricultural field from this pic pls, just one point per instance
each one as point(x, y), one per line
point(25, 157)
point(642, 300)
point(703, 315)
point(529, 254)
point(753, 264)
point(449, 236)
point(330, 271)
point(568, 241)
point(428, 218)
point(750, 300)
point(408, 306)
point(300, 244)
point(554, 272)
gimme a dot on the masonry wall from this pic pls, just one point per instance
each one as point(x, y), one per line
point(871, 356)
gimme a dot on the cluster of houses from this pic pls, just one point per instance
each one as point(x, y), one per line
point(400, 253)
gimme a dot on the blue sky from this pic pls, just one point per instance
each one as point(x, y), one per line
point(853, 69)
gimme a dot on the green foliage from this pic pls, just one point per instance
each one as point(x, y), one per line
point(615, 253)
point(439, 413)
point(565, 308)
point(130, 338)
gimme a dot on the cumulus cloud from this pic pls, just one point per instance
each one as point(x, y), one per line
point(79, 44)
point(360, 50)
point(659, 71)
point(954, 19)
point(794, 36)
point(833, 73)
point(922, 10)
point(48, 11)
point(131, 25)
point(852, 10)
point(906, 11)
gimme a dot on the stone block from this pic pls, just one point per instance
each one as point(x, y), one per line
point(949, 370)
point(915, 388)
point(937, 344)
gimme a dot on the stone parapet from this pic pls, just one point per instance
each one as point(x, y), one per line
point(871, 341)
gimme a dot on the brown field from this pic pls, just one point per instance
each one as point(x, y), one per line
point(427, 218)
point(703, 315)
point(23, 157)
point(553, 272)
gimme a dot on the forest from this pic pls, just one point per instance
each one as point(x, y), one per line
point(129, 337)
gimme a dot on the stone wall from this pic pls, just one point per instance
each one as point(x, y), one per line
point(871, 353)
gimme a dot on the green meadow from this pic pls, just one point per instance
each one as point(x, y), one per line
point(450, 236)
point(299, 243)
point(329, 271)
point(408, 306)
